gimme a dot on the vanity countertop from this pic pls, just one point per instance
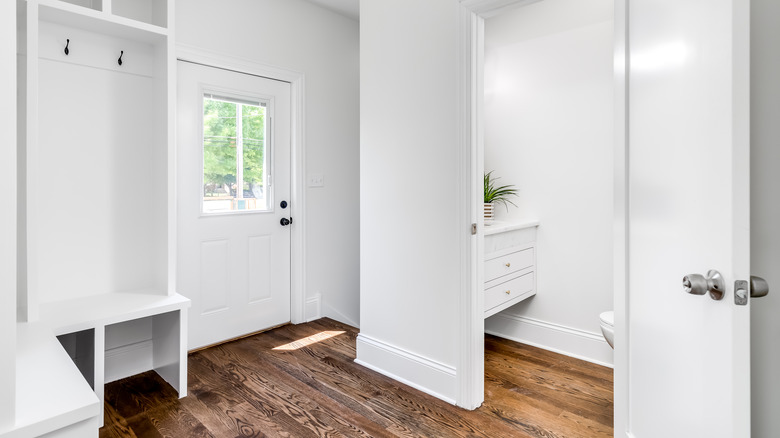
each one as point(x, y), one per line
point(501, 227)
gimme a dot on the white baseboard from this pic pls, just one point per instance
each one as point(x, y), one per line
point(558, 338)
point(313, 308)
point(426, 375)
point(128, 360)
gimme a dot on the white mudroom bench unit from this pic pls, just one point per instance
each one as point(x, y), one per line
point(97, 295)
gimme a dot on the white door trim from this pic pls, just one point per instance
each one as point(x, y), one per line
point(620, 224)
point(471, 320)
point(296, 79)
point(8, 219)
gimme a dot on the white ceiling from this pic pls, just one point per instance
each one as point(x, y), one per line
point(347, 8)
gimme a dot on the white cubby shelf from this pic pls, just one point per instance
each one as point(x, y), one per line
point(138, 19)
point(83, 324)
point(101, 310)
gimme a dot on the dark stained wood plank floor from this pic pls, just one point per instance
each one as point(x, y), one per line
point(301, 381)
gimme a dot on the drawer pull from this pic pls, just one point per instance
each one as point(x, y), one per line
point(508, 265)
point(508, 292)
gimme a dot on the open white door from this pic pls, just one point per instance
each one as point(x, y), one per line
point(682, 360)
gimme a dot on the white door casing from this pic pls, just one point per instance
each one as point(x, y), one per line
point(682, 362)
point(236, 266)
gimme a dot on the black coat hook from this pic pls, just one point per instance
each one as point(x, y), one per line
point(120, 57)
point(67, 51)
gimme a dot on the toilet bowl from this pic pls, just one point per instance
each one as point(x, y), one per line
point(608, 327)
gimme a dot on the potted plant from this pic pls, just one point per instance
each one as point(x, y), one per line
point(496, 195)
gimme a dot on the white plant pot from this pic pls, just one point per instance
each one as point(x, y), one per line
point(489, 210)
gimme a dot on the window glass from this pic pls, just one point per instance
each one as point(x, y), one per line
point(234, 155)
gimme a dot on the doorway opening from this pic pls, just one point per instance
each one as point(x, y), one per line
point(543, 123)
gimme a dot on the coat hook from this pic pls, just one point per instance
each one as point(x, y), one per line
point(120, 57)
point(67, 51)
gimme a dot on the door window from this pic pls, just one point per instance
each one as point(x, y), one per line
point(235, 155)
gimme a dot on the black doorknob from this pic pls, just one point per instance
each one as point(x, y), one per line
point(285, 221)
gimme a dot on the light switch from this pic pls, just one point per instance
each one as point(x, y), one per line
point(316, 180)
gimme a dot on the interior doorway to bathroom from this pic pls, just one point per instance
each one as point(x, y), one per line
point(545, 125)
point(548, 132)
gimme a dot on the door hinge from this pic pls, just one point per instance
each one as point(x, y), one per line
point(473, 229)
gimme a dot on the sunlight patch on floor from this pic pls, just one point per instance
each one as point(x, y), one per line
point(313, 339)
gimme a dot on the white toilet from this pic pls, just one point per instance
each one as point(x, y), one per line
point(608, 327)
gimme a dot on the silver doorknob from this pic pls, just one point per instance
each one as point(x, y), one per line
point(697, 284)
point(758, 287)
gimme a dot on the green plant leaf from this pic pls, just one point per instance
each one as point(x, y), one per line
point(500, 194)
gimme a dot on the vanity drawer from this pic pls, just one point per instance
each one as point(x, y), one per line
point(508, 291)
point(507, 264)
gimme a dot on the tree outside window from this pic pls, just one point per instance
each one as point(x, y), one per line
point(234, 155)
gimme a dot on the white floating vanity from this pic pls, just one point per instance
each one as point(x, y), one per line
point(510, 264)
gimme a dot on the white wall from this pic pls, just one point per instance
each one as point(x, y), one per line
point(764, 211)
point(297, 35)
point(8, 213)
point(409, 241)
point(549, 131)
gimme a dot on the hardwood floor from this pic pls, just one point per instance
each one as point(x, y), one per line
point(275, 385)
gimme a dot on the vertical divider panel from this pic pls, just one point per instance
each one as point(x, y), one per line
point(161, 202)
point(183, 320)
point(8, 225)
point(169, 78)
point(31, 313)
point(167, 348)
point(100, 367)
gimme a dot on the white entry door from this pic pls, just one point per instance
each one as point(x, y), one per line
point(233, 202)
point(683, 360)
